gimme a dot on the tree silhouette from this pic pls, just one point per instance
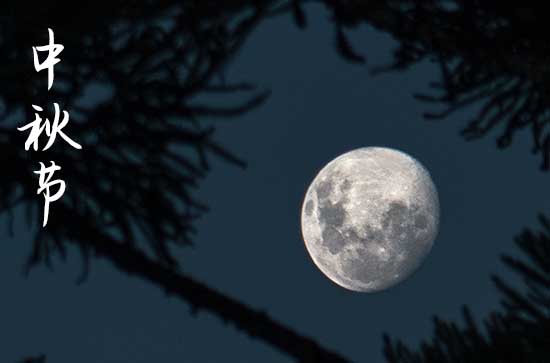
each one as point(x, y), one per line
point(518, 333)
point(146, 146)
point(491, 54)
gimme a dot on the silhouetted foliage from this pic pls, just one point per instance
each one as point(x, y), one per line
point(490, 53)
point(146, 146)
point(518, 333)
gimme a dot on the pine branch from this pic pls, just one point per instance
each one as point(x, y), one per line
point(256, 323)
point(490, 55)
point(146, 147)
point(519, 333)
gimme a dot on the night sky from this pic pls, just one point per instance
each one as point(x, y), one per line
point(249, 245)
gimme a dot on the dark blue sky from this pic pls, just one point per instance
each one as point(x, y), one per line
point(249, 245)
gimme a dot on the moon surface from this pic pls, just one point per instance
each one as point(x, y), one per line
point(370, 217)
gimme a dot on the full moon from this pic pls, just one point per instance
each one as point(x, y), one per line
point(370, 217)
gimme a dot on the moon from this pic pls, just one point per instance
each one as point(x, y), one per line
point(370, 217)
